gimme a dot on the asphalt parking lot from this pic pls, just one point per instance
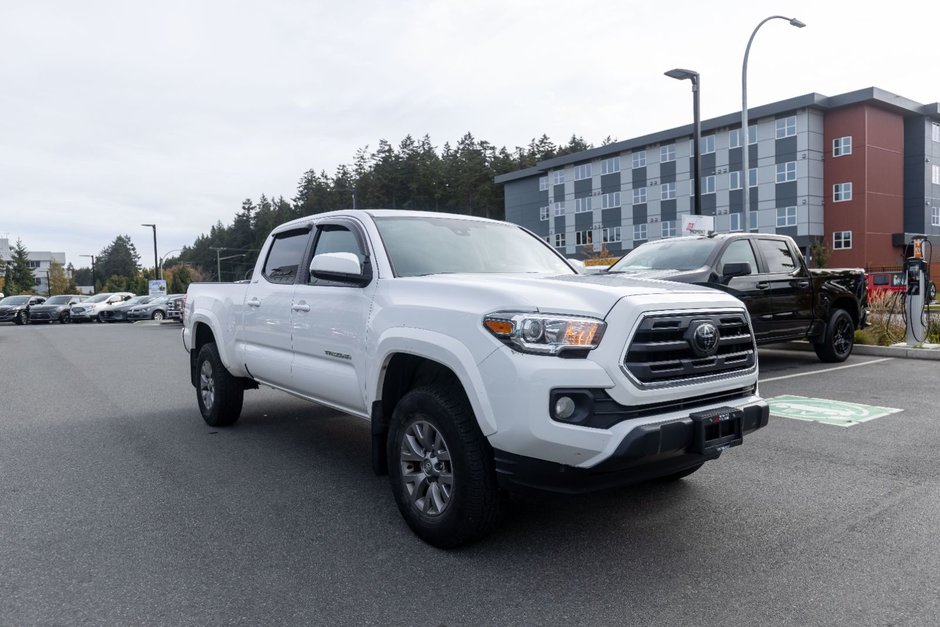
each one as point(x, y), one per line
point(118, 505)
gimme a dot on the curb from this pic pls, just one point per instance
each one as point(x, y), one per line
point(900, 352)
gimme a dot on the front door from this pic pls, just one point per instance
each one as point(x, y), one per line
point(751, 289)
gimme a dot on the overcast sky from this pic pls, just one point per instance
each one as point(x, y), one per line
point(114, 114)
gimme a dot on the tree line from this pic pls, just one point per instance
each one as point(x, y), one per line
point(413, 175)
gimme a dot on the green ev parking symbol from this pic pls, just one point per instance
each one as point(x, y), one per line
point(838, 413)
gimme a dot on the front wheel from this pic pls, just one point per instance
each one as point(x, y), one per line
point(22, 318)
point(836, 345)
point(65, 318)
point(157, 315)
point(99, 318)
point(441, 468)
point(220, 395)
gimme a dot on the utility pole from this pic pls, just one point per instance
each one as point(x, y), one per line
point(156, 269)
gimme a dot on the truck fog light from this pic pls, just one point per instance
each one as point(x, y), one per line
point(564, 408)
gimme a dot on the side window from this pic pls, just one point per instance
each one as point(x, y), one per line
point(285, 257)
point(777, 255)
point(334, 238)
point(739, 251)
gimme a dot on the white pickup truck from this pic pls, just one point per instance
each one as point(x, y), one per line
point(483, 360)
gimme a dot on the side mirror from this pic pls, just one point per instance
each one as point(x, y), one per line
point(736, 269)
point(342, 267)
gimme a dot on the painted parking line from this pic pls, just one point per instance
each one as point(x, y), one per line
point(825, 411)
point(812, 372)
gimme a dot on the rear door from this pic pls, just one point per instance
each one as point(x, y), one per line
point(330, 322)
point(752, 289)
point(789, 285)
point(267, 309)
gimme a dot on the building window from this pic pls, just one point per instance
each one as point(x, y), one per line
point(708, 184)
point(935, 216)
point(609, 166)
point(639, 231)
point(786, 127)
point(582, 205)
point(752, 177)
point(559, 208)
point(611, 200)
point(543, 183)
point(639, 159)
point(752, 134)
point(935, 132)
point(842, 146)
point(735, 224)
point(786, 216)
point(752, 221)
point(841, 192)
point(668, 191)
point(584, 238)
point(544, 213)
point(734, 180)
point(734, 137)
point(558, 177)
point(611, 234)
point(935, 174)
point(786, 172)
point(32, 264)
point(670, 228)
point(841, 240)
point(582, 171)
point(667, 153)
point(559, 240)
point(708, 144)
point(639, 196)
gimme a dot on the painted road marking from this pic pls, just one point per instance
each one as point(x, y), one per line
point(827, 412)
point(804, 374)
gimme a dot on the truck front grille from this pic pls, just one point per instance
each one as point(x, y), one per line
point(680, 347)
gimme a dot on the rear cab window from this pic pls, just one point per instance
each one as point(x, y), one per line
point(285, 256)
point(778, 256)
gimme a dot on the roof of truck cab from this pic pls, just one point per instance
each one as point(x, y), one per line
point(377, 213)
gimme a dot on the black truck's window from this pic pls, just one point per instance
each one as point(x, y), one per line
point(739, 251)
point(777, 255)
point(285, 256)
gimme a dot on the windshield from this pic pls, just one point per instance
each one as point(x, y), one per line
point(422, 245)
point(670, 254)
point(60, 300)
point(15, 300)
point(97, 298)
point(138, 300)
point(159, 300)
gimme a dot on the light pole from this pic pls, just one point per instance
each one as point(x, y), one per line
point(219, 261)
point(93, 286)
point(680, 74)
point(745, 144)
point(156, 268)
point(163, 259)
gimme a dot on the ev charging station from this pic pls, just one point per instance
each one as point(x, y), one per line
point(920, 291)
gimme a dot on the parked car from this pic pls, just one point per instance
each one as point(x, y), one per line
point(118, 313)
point(891, 282)
point(154, 310)
point(16, 308)
point(55, 309)
point(90, 310)
point(174, 307)
point(786, 300)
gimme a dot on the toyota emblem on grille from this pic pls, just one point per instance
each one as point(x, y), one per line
point(705, 339)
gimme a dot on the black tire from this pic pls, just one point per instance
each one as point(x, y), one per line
point(218, 393)
point(682, 473)
point(22, 318)
point(65, 318)
point(157, 315)
point(99, 318)
point(836, 345)
point(471, 508)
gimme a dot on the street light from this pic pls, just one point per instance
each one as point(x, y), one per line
point(745, 135)
point(219, 261)
point(680, 74)
point(156, 267)
point(163, 259)
point(93, 286)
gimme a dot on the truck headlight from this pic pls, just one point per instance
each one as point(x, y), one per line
point(545, 334)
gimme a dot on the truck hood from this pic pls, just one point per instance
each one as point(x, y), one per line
point(591, 295)
point(684, 276)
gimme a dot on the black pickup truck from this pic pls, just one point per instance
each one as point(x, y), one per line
point(786, 299)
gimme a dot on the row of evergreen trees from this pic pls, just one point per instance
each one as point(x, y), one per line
point(414, 175)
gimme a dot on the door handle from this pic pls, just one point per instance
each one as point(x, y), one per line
point(763, 285)
point(802, 284)
point(253, 302)
point(300, 307)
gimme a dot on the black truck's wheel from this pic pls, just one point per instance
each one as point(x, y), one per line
point(220, 395)
point(441, 468)
point(836, 345)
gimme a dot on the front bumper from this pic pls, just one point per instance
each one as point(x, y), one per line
point(8, 316)
point(647, 452)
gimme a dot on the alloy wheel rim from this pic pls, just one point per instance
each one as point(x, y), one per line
point(841, 341)
point(426, 468)
point(206, 385)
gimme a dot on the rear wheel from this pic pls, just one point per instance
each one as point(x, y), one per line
point(441, 468)
point(836, 345)
point(220, 395)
